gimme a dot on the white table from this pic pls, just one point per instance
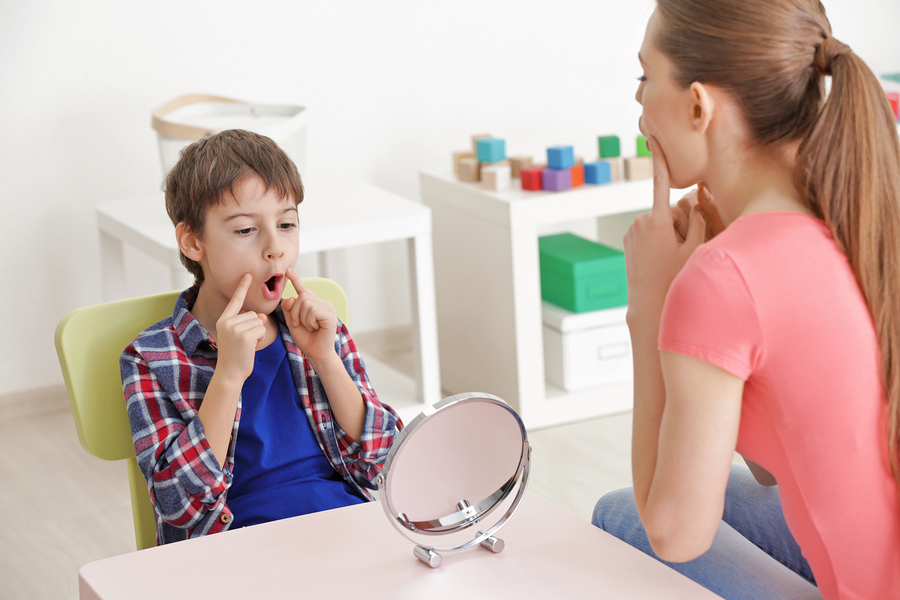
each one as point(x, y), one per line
point(354, 551)
point(334, 215)
point(489, 289)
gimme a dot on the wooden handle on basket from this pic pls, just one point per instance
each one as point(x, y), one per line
point(181, 130)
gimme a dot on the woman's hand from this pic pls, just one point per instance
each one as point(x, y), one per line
point(655, 249)
point(703, 200)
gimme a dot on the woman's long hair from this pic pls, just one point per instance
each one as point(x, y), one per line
point(774, 55)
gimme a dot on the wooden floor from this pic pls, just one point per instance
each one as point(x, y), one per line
point(63, 508)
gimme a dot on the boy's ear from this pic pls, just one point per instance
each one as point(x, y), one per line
point(189, 243)
point(702, 107)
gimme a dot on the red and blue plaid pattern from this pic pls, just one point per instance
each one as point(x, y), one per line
point(165, 373)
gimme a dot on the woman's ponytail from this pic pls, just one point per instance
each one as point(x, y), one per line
point(849, 174)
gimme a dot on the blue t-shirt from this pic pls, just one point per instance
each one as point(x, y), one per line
point(279, 469)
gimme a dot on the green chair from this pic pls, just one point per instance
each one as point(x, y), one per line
point(89, 342)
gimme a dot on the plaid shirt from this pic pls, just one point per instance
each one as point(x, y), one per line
point(165, 373)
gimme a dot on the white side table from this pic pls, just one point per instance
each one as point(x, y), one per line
point(338, 215)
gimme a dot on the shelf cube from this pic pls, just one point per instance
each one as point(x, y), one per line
point(598, 172)
point(556, 180)
point(531, 178)
point(491, 149)
point(642, 149)
point(609, 146)
point(577, 174)
point(560, 157)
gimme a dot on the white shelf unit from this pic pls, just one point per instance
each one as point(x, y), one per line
point(488, 288)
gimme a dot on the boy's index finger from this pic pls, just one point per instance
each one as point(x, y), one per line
point(661, 200)
point(234, 306)
point(299, 285)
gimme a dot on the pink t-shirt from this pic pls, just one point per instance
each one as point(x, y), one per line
point(773, 300)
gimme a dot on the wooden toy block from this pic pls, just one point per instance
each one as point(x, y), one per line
point(556, 180)
point(496, 177)
point(469, 169)
point(577, 174)
point(894, 100)
point(560, 157)
point(457, 156)
point(638, 167)
point(597, 172)
point(531, 178)
point(491, 149)
point(615, 168)
point(609, 146)
point(517, 163)
point(642, 149)
point(475, 138)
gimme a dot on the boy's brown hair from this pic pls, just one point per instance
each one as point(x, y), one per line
point(212, 166)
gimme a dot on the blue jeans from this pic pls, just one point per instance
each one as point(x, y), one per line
point(753, 557)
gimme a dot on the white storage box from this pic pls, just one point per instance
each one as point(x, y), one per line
point(192, 117)
point(585, 350)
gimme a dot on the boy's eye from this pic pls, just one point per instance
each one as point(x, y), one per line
point(642, 78)
point(244, 231)
point(288, 226)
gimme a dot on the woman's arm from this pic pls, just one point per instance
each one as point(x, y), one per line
point(681, 465)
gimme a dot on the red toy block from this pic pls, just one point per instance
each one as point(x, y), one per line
point(577, 174)
point(531, 178)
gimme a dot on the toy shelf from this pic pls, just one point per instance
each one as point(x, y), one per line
point(488, 289)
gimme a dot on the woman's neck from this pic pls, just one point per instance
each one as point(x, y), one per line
point(752, 180)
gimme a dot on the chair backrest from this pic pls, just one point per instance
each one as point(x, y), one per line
point(89, 342)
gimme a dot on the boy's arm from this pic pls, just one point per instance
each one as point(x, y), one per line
point(312, 322)
point(237, 337)
point(186, 484)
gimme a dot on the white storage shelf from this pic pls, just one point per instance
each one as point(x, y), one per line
point(488, 288)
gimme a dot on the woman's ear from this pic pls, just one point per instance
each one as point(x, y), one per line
point(189, 243)
point(702, 107)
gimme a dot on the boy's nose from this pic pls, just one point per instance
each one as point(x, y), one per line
point(274, 247)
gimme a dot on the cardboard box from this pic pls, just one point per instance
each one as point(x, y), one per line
point(580, 275)
point(586, 350)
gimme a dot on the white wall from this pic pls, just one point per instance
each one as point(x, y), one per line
point(392, 87)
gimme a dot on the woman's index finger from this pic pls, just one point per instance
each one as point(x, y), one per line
point(661, 183)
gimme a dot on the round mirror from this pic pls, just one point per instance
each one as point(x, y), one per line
point(450, 468)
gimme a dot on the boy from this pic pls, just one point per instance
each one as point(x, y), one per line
point(244, 407)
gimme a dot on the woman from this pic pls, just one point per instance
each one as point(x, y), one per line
point(779, 337)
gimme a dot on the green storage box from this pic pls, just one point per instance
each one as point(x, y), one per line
point(580, 275)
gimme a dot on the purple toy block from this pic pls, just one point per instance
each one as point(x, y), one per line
point(556, 180)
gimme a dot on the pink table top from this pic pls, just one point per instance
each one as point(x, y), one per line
point(549, 553)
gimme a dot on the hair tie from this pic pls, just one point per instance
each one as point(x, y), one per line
point(826, 51)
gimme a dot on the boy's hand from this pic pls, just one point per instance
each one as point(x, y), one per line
point(238, 336)
point(312, 321)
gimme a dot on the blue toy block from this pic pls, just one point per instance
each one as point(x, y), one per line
point(560, 157)
point(491, 150)
point(597, 172)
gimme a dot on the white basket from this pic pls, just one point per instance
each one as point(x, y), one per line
point(192, 117)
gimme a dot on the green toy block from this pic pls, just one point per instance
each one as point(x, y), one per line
point(642, 149)
point(580, 275)
point(609, 146)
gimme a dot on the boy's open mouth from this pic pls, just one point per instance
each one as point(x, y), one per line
point(272, 288)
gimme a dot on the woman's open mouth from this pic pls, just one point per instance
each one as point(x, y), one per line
point(272, 287)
